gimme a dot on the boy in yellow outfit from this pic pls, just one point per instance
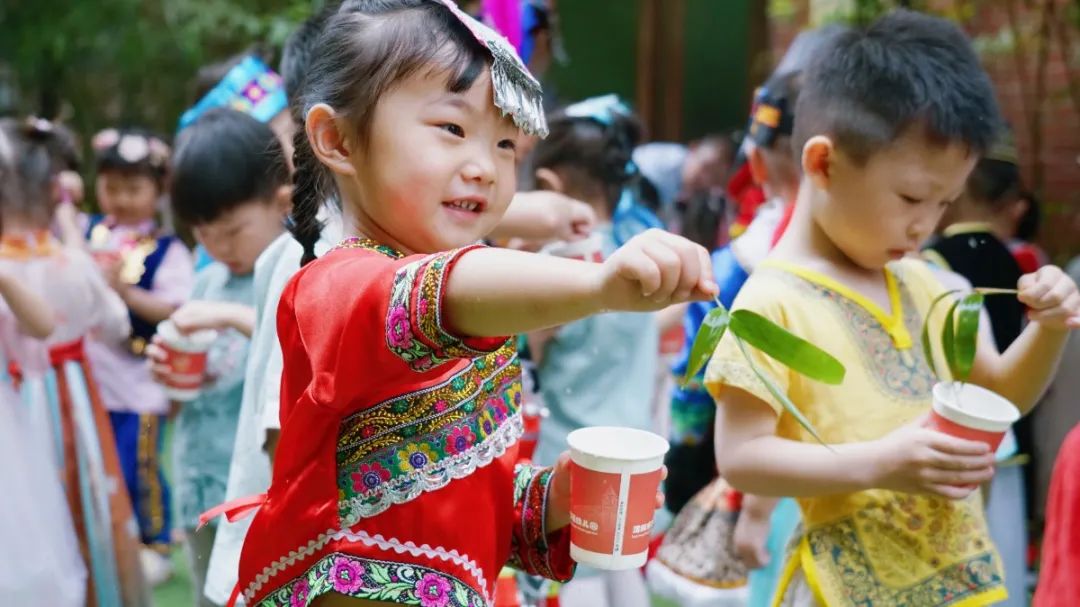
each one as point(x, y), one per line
point(890, 122)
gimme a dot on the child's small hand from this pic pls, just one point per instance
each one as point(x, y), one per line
point(751, 533)
point(657, 269)
point(1052, 298)
point(198, 315)
point(157, 356)
point(112, 267)
point(558, 504)
point(914, 459)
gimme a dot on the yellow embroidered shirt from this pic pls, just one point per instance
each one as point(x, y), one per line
point(873, 547)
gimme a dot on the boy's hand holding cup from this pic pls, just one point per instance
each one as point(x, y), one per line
point(178, 359)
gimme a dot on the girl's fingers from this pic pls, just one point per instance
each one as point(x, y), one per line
point(667, 262)
point(640, 268)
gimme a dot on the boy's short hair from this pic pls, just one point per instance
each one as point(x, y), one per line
point(223, 160)
point(869, 86)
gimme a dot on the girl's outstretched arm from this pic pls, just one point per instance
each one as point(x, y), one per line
point(494, 292)
point(34, 315)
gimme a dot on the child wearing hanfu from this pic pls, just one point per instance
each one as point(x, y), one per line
point(891, 510)
point(54, 375)
point(394, 479)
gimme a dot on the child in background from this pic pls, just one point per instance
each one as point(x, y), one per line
point(891, 512)
point(54, 377)
point(36, 526)
point(598, 371)
point(152, 273)
point(230, 184)
point(424, 164)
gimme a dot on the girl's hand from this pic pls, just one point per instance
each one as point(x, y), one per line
point(654, 270)
point(1052, 298)
point(914, 459)
point(558, 504)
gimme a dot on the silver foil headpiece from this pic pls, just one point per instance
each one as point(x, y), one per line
point(517, 92)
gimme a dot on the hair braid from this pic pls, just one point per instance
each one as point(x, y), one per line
point(304, 221)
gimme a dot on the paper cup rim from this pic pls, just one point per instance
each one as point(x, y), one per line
point(944, 406)
point(634, 445)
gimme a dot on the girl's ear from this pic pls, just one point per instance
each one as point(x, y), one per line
point(817, 157)
point(547, 179)
point(327, 139)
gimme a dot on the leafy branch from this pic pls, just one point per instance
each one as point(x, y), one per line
point(960, 333)
point(749, 328)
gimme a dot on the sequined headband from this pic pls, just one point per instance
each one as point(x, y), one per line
point(517, 92)
point(250, 87)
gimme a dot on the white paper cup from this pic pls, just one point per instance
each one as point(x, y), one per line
point(614, 475)
point(186, 358)
point(971, 412)
point(586, 249)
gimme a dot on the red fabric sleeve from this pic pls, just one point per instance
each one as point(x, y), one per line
point(532, 550)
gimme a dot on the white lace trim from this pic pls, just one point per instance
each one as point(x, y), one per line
point(434, 476)
point(392, 544)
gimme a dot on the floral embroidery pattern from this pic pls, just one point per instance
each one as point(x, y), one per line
point(903, 374)
point(414, 330)
point(529, 549)
point(375, 580)
point(842, 561)
point(394, 451)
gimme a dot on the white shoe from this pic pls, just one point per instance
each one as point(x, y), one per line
point(157, 568)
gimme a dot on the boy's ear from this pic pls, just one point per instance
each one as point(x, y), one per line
point(546, 179)
point(817, 157)
point(327, 139)
point(758, 171)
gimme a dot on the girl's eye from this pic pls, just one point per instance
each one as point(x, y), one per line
point(910, 199)
point(508, 144)
point(453, 129)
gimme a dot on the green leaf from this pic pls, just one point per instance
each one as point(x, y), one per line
point(778, 394)
point(948, 339)
point(968, 312)
point(708, 337)
point(794, 352)
point(928, 350)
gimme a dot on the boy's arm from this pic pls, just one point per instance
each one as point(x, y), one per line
point(495, 292)
point(912, 459)
point(1024, 371)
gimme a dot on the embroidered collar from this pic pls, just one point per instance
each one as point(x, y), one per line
point(24, 245)
point(893, 323)
point(356, 242)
